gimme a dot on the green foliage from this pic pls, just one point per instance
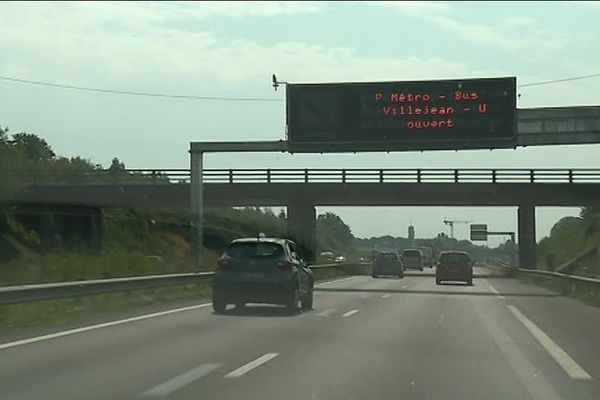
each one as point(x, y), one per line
point(569, 237)
point(333, 234)
point(35, 148)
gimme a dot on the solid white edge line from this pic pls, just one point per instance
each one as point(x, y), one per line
point(179, 381)
point(251, 365)
point(350, 313)
point(55, 335)
point(574, 370)
point(385, 296)
point(493, 289)
point(36, 339)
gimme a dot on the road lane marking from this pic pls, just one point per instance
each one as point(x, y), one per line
point(404, 286)
point(179, 381)
point(493, 289)
point(567, 363)
point(98, 326)
point(350, 313)
point(336, 281)
point(385, 296)
point(327, 313)
point(534, 382)
point(251, 365)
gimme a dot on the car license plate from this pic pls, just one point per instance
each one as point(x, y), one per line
point(254, 275)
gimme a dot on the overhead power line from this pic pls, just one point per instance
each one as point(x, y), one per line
point(135, 93)
point(575, 78)
point(224, 98)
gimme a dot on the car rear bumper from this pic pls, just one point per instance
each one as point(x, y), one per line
point(453, 276)
point(387, 271)
point(272, 293)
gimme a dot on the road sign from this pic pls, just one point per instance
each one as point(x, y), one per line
point(479, 232)
point(414, 115)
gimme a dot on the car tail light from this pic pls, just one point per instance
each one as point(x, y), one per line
point(285, 264)
point(224, 262)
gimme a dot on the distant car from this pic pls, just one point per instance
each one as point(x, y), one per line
point(326, 257)
point(413, 259)
point(427, 253)
point(388, 263)
point(340, 259)
point(454, 266)
point(262, 270)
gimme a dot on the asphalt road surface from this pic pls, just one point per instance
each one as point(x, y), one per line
point(366, 339)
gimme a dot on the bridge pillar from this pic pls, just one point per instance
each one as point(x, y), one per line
point(527, 243)
point(302, 227)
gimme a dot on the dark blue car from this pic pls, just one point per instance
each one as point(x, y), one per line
point(263, 270)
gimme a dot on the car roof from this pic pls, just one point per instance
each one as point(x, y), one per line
point(454, 252)
point(264, 240)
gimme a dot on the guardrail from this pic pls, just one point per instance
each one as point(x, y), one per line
point(320, 175)
point(577, 278)
point(61, 290)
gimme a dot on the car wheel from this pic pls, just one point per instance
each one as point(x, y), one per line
point(470, 282)
point(292, 305)
point(307, 302)
point(438, 282)
point(375, 276)
point(420, 269)
point(400, 276)
point(219, 304)
point(240, 305)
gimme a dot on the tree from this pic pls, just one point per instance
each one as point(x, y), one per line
point(116, 166)
point(35, 148)
point(282, 215)
point(591, 219)
point(3, 135)
point(333, 233)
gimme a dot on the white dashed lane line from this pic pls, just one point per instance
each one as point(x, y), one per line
point(350, 313)
point(327, 312)
point(251, 365)
point(164, 389)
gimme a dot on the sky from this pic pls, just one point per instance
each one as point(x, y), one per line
point(232, 48)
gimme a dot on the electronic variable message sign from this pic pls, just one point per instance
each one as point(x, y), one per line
point(411, 115)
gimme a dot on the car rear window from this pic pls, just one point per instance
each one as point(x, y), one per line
point(454, 258)
point(255, 250)
point(387, 257)
point(411, 253)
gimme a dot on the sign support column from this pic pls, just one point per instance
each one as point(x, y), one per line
point(197, 204)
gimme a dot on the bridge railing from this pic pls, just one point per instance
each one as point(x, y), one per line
point(320, 175)
point(429, 175)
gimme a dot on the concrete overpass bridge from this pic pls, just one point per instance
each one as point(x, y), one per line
point(301, 190)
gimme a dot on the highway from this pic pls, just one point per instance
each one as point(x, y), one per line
point(366, 339)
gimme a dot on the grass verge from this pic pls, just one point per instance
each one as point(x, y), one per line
point(20, 317)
